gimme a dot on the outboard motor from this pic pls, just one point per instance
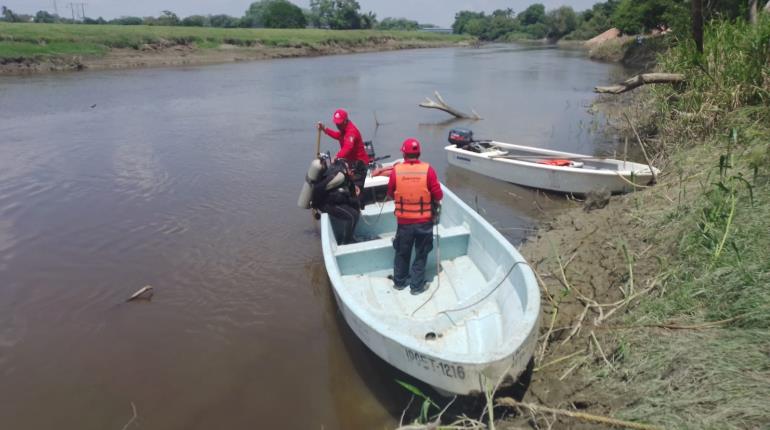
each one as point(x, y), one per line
point(369, 147)
point(461, 137)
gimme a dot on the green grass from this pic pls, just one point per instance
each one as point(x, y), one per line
point(712, 234)
point(30, 40)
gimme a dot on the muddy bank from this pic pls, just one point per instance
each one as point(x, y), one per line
point(591, 261)
point(165, 55)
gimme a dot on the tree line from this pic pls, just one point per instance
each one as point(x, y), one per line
point(332, 14)
point(629, 16)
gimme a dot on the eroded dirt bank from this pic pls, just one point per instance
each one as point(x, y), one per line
point(165, 55)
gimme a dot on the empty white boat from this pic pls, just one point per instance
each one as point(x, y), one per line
point(477, 323)
point(549, 170)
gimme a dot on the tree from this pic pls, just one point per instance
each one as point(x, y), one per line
point(43, 17)
point(697, 24)
point(368, 20)
point(462, 18)
point(254, 16)
point(283, 14)
point(97, 21)
point(167, 18)
point(561, 22)
point(335, 14)
point(127, 20)
point(500, 23)
point(195, 21)
point(398, 24)
point(534, 14)
point(9, 16)
point(225, 21)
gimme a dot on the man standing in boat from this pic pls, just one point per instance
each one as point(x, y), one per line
point(415, 188)
point(351, 145)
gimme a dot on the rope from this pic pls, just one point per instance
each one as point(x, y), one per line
point(377, 220)
point(507, 274)
point(631, 183)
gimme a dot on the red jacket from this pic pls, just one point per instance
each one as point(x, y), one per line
point(351, 144)
point(433, 186)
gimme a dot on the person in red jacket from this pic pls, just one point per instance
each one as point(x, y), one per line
point(351, 144)
point(415, 189)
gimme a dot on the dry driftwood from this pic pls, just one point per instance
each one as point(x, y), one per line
point(639, 80)
point(597, 419)
point(142, 293)
point(442, 105)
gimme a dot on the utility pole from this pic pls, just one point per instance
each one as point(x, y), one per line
point(83, 11)
point(72, 8)
point(55, 8)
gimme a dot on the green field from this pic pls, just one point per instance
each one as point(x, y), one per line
point(41, 40)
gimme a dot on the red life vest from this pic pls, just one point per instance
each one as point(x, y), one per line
point(412, 196)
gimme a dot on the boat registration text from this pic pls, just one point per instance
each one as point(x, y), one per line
point(437, 366)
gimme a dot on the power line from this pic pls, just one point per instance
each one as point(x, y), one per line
point(78, 10)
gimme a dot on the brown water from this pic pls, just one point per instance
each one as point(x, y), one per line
point(186, 179)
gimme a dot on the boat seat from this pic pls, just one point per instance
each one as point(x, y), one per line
point(374, 255)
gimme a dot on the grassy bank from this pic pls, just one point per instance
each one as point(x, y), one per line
point(660, 303)
point(31, 43)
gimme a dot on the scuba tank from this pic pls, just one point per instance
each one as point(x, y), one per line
point(338, 180)
point(313, 173)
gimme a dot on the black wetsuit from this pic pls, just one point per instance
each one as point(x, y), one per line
point(339, 202)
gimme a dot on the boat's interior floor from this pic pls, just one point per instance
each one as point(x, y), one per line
point(478, 330)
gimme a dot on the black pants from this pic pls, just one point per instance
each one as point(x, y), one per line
point(344, 220)
point(359, 174)
point(408, 236)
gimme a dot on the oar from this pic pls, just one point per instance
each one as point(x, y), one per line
point(318, 144)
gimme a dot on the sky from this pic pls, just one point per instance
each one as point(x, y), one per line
point(439, 12)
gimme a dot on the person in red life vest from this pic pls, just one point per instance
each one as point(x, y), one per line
point(414, 187)
point(351, 145)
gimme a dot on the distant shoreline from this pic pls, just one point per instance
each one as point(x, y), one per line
point(50, 48)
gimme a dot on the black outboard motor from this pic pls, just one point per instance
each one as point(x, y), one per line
point(369, 148)
point(461, 137)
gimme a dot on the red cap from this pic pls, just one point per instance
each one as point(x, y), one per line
point(411, 146)
point(340, 116)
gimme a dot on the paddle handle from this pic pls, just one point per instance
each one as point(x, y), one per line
point(318, 143)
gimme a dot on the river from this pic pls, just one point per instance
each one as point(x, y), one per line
point(186, 179)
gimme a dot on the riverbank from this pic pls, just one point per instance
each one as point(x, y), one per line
point(656, 307)
point(40, 48)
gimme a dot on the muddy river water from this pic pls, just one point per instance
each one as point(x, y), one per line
point(186, 179)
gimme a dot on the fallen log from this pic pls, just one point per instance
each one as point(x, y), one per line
point(639, 80)
point(444, 106)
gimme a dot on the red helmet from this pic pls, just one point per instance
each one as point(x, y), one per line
point(340, 116)
point(411, 146)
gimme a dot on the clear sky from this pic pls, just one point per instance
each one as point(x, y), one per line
point(439, 12)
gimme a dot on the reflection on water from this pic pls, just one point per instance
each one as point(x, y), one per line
point(186, 179)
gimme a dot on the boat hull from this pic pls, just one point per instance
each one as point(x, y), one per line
point(553, 178)
point(446, 377)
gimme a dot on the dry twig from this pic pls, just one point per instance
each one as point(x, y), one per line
point(612, 422)
point(133, 418)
